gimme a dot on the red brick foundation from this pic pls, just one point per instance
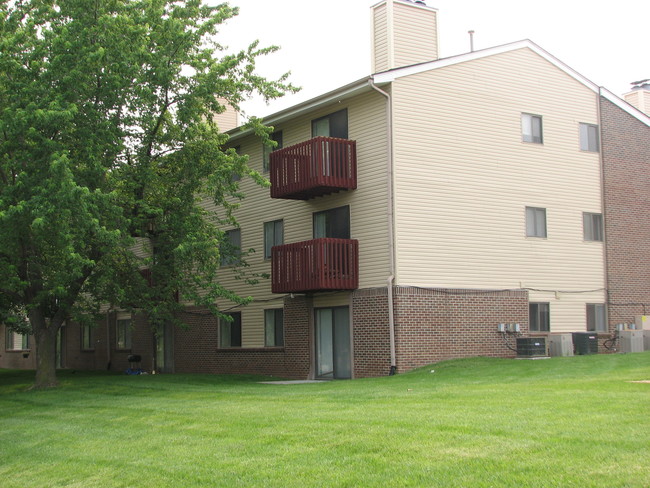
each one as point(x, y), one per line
point(437, 324)
point(196, 348)
point(371, 336)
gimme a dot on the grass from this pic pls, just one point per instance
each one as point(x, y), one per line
point(480, 422)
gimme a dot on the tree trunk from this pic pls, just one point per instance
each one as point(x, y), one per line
point(45, 336)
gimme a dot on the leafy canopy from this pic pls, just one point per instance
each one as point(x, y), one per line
point(108, 146)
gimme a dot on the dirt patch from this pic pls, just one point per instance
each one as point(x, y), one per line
point(640, 381)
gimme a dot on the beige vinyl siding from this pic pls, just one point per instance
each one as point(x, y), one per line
point(463, 178)
point(141, 247)
point(381, 57)
point(368, 209)
point(341, 299)
point(415, 35)
point(639, 99)
point(633, 98)
point(645, 107)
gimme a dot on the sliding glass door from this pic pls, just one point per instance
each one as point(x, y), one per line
point(333, 351)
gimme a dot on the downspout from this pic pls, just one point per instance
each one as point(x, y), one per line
point(108, 339)
point(391, 231)
point(603, 201)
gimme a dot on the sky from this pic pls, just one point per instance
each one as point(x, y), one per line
point(326, 44)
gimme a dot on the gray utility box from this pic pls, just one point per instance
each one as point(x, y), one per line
point(646, 340)
point(631, 340)
point(560, 345)
point(528, 347)
point(585, 343)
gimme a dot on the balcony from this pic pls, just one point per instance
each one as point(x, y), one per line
point(316, 265)
point(313, 168)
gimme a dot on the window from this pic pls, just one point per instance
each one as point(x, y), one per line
point(332, 125)
point(592, 226)
point(15, 341)
point(123, 333)
point(596, 317)
point(274, 327)
point(332, 223)
point(231, 247)
point(267, 150)
point(531, 128)
point(236, 176)
point(87, 337)
point(273, 236)
point(535, 222)
point(588, 137)
point(230, 330)
point(538, 317)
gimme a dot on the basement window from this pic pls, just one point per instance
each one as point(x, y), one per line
point(596, 317)
point(539, 317)
point(123, 334)
point(15, 341)
point(230, 330)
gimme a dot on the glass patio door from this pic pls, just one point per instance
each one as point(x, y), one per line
point(165, 349)
point(333, 352)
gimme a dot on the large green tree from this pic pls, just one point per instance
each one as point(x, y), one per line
point(107, 144)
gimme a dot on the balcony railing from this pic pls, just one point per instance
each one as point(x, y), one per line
point(316, 167)
point(319, 264)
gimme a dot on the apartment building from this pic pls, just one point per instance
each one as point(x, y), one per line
point(414, 215)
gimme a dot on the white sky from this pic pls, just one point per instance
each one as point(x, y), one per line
point(326, 44)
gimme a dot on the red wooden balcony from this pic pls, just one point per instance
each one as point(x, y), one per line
point(319, 264)
point(316, 167)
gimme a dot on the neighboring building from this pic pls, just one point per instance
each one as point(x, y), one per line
point(413, 211)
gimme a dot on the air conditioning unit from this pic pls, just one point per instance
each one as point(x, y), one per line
point(631, 340)
point(560, 345)
point(528, 347)
point(646, 340)
point(585, 343)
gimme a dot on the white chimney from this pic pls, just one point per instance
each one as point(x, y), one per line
point(403, 33)
point(639, 97)
point(228, 119)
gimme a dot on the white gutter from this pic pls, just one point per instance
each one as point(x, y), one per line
point(391, 231)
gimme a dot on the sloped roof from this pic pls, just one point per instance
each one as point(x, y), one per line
point(387, 77)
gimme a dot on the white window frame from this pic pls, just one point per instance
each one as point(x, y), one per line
point(539, 316)
point(123, 332)
point(273, 236)
point(589, 137)
point(274, 332)
point(536, 222)
point(596, 317)
point(233, 244)
point(12, 338)
point(532, 129)
point(592, 226)
point(225, 331)
point(87, 337)
point(267, 150)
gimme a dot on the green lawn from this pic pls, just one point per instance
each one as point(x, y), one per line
point(561, 422)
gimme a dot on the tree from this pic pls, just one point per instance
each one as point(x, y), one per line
point(107, 143)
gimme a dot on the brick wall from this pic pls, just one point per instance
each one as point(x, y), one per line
point(196, 349)
point(371, 335)
point(436, 324)
point(76, 358)
point(626, 176)
point(16, 359)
